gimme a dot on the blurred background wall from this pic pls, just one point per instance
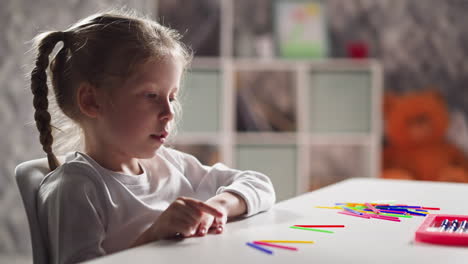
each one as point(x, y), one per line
point(419, 43)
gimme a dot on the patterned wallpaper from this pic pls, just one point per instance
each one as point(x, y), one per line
point(20, 21)
point(420, 43)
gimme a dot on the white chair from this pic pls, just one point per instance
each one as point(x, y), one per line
point(28, 176)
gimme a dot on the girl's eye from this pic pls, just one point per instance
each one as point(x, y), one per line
point(151, 95)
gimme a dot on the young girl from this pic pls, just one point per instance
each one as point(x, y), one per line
point(117, 76)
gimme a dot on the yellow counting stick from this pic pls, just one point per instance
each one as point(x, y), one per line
point(287, 241)
point(329, 207)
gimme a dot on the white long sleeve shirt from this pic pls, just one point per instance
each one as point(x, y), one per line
point(86, 211)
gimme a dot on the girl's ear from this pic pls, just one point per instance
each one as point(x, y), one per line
point(88, 102)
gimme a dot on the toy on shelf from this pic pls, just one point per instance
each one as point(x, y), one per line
point(357, 50)
point(416, 124)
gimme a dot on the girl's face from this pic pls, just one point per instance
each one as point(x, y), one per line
point(136, 119)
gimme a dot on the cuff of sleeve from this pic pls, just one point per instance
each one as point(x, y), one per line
point(245, 193)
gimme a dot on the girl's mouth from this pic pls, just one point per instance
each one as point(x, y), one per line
point(160, 136)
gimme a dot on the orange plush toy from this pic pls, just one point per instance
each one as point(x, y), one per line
point(415, 125)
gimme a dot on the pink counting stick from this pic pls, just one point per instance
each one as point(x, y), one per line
point(384, 217)
point(370, 206)
point(356, 215)
point(274, 245)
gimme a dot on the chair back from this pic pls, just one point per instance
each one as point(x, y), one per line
point(29, 175)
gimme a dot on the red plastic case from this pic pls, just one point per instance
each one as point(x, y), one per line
point(428, 231)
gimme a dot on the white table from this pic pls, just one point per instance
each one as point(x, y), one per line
point(361, 241)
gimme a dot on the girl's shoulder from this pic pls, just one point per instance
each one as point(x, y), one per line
point(75, 173)
point(74, 183)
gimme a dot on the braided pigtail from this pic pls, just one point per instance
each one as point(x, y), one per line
point(40, 90)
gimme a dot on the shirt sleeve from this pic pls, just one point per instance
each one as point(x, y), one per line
point(254, 187)
point(71, 215)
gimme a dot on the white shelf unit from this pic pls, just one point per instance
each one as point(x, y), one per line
point(252, 150)
point(344, 118)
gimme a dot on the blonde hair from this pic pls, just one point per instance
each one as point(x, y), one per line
point(101, 49)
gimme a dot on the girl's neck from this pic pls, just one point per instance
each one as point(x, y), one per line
point(111, 161)
point(110, 158)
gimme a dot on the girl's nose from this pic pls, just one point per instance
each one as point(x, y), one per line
point(167, 112)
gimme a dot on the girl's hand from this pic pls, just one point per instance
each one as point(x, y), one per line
point(210, 223)
point(182, 218)
point(230, 204)
point(189, 217)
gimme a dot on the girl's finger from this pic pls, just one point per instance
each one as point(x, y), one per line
point(188, 233)
point(204, 225)
point(219, 229)
point(184, 219)
point(220, 220)
point(182, 208)
point(185, 227)
point(218, 224)
point(202, 206)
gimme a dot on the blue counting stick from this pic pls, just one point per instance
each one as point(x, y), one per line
point(392, 212)
point(453, 226)
point(397, 209)
point(443, 226)
point(352, 211)
point(463, 226)
point(259, 248)
point(402, 206)
point(415, 213)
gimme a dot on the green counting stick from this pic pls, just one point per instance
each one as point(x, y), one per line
point(311, 229)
